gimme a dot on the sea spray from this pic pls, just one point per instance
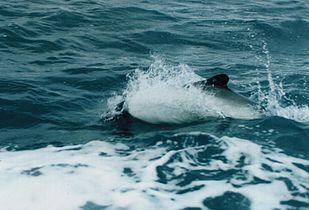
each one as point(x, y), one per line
point(276, 97)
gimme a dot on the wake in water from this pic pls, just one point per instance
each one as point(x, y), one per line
point(175, 173)
point(163, 94)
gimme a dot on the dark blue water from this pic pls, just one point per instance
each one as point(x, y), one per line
point(65, 64)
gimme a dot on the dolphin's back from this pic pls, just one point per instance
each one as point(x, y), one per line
point(217, 85)
point(227, 99)
point(230, 96)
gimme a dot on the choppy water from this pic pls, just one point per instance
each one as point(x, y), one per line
point(65, 64)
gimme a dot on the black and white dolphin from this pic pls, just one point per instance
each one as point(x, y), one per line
point(227, 102)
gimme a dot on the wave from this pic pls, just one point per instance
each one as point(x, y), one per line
point(173, 173)
point(18, 37)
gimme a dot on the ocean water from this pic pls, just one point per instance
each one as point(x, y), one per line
point(65, 65)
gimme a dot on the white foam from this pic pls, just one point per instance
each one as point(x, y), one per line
point(68, 179)
point(262, 195)
point(112, 175)
point(293, 112)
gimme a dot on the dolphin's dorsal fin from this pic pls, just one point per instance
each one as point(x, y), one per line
point(220, 80)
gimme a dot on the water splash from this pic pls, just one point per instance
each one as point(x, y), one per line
point(165, 94)
point(276, 97)
point(162, 94)
point(159, 95)
point(114, 110)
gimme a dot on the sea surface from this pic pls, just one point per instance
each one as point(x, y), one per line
point(66, 64)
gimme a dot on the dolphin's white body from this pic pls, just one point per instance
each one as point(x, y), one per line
point(176, 106)
point(234, 105)
point(162, 103)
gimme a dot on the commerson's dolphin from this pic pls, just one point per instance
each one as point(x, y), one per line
point(228, 102)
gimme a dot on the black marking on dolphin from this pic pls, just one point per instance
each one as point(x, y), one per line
point(219, 81)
